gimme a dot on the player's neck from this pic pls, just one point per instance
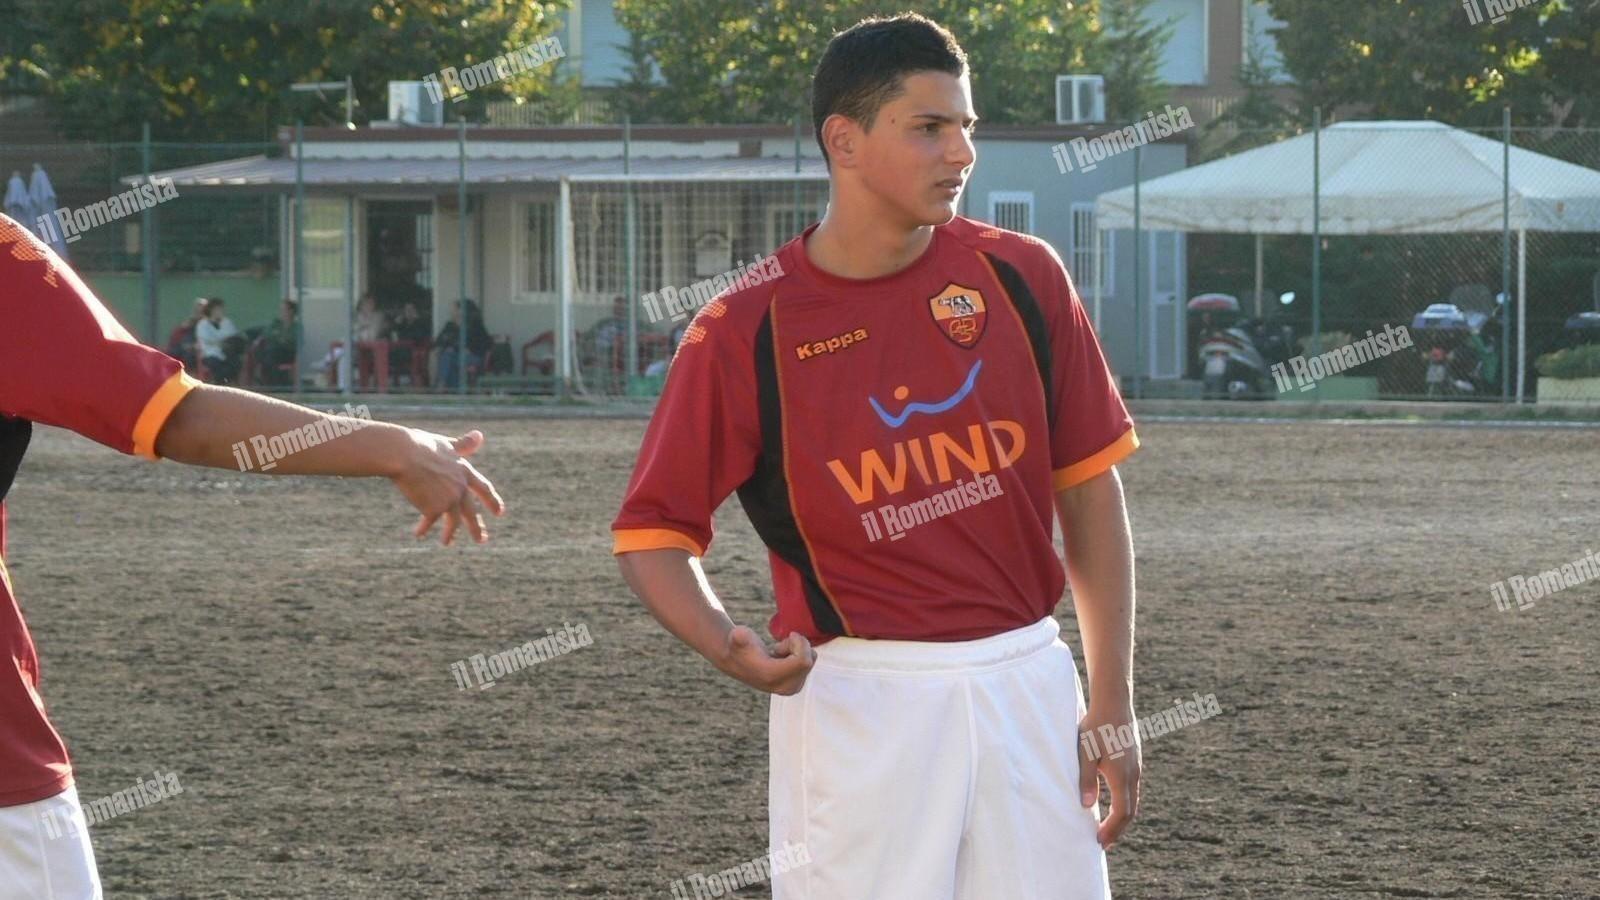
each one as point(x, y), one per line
point(862, 246)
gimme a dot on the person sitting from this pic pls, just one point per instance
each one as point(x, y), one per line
point(449, 343)
point(609, 338)
point(409, 334)
point(368, 329)
point(275, 349)
point(180, 344)
point(219, 340)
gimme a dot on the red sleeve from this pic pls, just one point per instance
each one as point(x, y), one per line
point(1093, 430)
point(66, 361)
point(702, 442)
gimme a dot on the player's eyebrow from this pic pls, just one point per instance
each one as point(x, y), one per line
point(965, 121)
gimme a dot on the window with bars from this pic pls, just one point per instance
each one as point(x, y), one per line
point(539, 248)
point(424, 237)
point(1012, 210)
point(1084, 251)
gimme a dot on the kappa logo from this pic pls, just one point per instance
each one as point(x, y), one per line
point(960, 314)
point(835, 344)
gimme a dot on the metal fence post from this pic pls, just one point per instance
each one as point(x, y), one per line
point(299, 254)
point(461, 256)
point(147, 226)
point(1316, 238)
point(1505, 255)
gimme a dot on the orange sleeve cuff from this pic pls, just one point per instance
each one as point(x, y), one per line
point(1097, 464)
point(157, 409)
point(627, 540)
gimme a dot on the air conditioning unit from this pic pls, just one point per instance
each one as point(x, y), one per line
point(411, 104)
point(1080, 99)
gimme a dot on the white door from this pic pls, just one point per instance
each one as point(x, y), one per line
point(1166, 312)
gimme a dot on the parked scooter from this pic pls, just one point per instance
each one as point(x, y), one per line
point(1236, 355)
point(1459, 351)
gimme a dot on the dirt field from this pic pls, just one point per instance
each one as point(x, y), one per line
point(284, 647)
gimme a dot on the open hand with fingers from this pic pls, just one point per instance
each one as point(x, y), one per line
point(440, 482)
point(779, 669)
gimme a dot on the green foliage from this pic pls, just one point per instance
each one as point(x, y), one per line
point(221, 69)
point(1421, 59)
point(1573, 362)
point(740, 61)
point(1258, 117)
point(1131, 49)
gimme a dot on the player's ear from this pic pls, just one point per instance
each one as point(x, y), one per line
point(842, 136)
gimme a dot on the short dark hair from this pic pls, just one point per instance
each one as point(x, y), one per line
point(863, 66)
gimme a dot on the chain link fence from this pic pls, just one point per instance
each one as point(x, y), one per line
point(1440, 257)
point(562, 272)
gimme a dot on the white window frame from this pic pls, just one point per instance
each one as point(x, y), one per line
point(519, 252)
point(1107, 251)
point(1023, 197)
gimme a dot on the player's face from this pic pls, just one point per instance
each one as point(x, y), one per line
point(919, 153)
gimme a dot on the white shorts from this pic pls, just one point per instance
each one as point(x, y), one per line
point(914, 770)
point(45, 852)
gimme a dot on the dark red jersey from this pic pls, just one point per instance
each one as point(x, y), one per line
point(896, 442)
point(64, 361)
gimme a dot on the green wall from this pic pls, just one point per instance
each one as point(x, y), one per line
point(252, 301)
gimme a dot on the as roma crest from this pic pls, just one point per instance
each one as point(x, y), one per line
point(960, 314)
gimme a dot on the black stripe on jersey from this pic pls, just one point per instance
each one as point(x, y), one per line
point(14, 434)
point(765, 494)
point(1032, 316)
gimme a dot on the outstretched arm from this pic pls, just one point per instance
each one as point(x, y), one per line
point(431, 470)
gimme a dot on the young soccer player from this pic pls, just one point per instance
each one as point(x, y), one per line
point(65, 361)
point(897, 414)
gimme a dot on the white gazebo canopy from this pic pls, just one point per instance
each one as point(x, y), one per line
point(1376, 178)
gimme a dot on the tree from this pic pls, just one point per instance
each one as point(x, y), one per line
point(1257, 118)
point(735, 60)
point(221, 69)
point(1131, 47)
point(1418, 59)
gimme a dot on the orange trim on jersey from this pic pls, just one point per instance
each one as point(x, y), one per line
point(629, 540)
point(157, 409)
point(1097, 464)
point(783, 411)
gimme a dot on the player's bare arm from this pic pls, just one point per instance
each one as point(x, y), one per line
point(431, 470)
point(1099, 545)
point(674, 588)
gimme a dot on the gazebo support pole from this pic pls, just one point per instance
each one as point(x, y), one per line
point(1522, 312)
point(1258, 275)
